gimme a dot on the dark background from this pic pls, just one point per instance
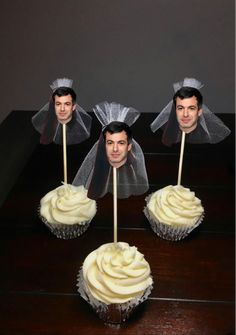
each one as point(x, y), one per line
point(128, 51)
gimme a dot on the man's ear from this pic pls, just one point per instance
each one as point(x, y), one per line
point(73, 108)
point(200, 112)
point(129, 146)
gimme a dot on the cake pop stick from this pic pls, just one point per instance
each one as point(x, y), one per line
point(115, 204)
point(64, 152)
point(181, 157)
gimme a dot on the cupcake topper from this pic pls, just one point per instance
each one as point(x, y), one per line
point(62, 120)
point(115, 150)
point(187, 115)
point(209, 128)
point(95, 172)
point(49, 124)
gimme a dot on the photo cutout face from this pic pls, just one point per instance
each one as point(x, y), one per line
point(64, 108)
point(117, 148)
point(187, 113)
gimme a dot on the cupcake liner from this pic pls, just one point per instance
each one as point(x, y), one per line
point(169, 232)
point(112, 314)
point(66, 231)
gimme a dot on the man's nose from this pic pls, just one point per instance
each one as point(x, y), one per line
point(185, 112)
point(62, 107)
point(115, 147)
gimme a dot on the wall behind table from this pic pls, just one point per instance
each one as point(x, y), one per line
point(129, 51)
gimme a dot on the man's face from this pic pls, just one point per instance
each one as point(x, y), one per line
point(187, 113)
point(64, 108)
point(117, 148)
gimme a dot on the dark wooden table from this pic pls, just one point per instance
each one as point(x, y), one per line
point(193, 279)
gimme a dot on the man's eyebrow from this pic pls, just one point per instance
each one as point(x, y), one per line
point(179, 105)
point(120, 141)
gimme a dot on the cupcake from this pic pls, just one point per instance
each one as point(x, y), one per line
point(173, 212)
point(67, 211)
point(115, 279)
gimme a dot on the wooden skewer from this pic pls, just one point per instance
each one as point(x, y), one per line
point(181, 157)
point(64, 152)
point(115, 204)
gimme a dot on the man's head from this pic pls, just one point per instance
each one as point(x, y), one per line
point(118, 141)
point(64, 99)
point(188, 107)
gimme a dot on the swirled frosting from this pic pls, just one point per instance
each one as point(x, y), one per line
point(116, 273)
point(175, 205)
point(67, 204)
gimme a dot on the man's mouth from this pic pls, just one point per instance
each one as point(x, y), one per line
point(185, 121)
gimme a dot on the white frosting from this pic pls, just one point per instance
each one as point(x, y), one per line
point(175, 205)
point(116, 273)
point(67, 204)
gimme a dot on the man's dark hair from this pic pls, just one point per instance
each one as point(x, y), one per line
point(63, 91)
point(188, 92)
point(117, 127)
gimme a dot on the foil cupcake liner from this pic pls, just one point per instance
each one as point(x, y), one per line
point(66, 231)
point(112, 314)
